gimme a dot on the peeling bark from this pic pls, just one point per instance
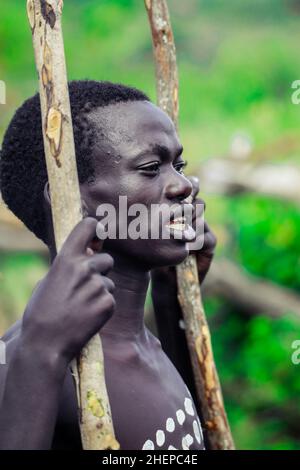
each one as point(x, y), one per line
point(47, 10)
point(97, 431)
point(189, 295)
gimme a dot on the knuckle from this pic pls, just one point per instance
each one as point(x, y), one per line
point(83, 269)
point(65, 263)
point(89, 223)
point(108, 302)
point(100, 281)
point(108, 260)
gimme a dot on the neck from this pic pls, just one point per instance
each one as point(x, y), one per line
point(131, 283)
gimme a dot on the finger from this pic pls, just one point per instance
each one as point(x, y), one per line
point(100, 263)
point(97, 283)
point(80, 237)
point(199, 208)
point(210, 242)
point(195, 188)
point(109, 284)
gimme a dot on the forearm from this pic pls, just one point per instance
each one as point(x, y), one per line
point(30, 402)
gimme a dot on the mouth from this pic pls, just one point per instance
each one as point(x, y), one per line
point(179, 229)
point(178, 224)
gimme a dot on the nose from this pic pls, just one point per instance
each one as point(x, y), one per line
point(178, 188)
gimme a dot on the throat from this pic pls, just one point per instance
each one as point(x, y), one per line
point(131, 285)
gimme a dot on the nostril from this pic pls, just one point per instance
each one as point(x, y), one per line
point(179, 189)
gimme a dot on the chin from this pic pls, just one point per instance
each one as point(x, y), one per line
point(150, 254)
point(169, 255)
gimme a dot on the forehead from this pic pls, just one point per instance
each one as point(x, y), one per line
point(128, 127)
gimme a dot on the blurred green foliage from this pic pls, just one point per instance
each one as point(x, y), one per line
point(237, 60)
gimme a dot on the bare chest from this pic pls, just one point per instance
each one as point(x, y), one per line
point(151, 406)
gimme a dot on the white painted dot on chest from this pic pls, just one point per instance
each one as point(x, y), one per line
point(170, 425)
point(187, 441)
point(148, 445)
point(180, 416)
point(188, 405)
point(160, 437)
point(197, 431)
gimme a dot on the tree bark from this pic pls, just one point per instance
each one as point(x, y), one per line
point(44, 16)
point(189, 295)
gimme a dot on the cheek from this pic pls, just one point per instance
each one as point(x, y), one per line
point(141, 189)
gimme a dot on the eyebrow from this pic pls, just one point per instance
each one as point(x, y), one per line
point(162, 151)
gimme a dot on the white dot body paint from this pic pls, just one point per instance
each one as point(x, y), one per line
point(180, 416)
point(181, 324)
point(188, 405)
point(187, 441)
point(172, 448)
point(160, 438)
point(197, 431)
point(170, 425)
point(148, 445)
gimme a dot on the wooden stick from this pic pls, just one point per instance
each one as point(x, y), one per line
point(189, 296)
point(44, 16)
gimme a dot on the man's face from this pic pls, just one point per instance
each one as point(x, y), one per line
point(137, 154)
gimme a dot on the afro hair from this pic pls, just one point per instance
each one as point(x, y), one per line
point(23, 171)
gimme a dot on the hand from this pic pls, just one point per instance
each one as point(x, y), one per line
point(205, 254)
point(73, 301)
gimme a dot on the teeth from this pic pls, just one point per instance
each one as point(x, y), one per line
point(177, 224)
point(178, 220)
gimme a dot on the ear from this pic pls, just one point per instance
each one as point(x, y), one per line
point(47, 200)
point(85, 209)
point(47, 197)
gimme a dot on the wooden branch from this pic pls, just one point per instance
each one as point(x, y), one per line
point(45, 21)
point(251, 294)
point(228, 176)
point(189, 296)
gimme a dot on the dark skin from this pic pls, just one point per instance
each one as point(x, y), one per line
point(92, 288)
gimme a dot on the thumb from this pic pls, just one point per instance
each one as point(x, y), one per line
point(80, 237)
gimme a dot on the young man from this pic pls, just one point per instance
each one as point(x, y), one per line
point(126, 146)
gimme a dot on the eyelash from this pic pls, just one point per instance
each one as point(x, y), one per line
point(155, 167)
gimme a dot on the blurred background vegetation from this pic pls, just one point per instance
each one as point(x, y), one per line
point(237, 61)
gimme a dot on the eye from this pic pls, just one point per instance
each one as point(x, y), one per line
point(180, 167)
point(151, 169)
